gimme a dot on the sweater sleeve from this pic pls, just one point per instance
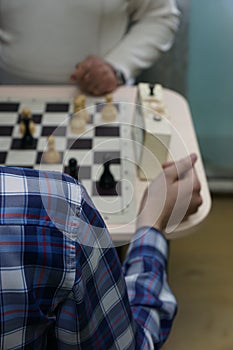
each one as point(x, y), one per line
point(153, 24)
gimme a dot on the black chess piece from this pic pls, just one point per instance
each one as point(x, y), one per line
point(151, 87)
point(107, 181)
point(73, 168)
point(28, 141)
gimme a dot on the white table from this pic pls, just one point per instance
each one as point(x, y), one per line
point(183, 142)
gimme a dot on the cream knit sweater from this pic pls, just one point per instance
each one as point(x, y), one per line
point(44, 39)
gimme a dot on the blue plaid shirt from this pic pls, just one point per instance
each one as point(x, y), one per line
point(60, 274)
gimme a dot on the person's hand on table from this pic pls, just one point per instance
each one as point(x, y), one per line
point(172, 196)
point(95, 76)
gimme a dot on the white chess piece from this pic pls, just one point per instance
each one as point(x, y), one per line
point(51, 156)
point(77, 123)
point(80, 106)
point(109, 111)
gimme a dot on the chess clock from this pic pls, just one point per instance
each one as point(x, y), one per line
point(152, 131)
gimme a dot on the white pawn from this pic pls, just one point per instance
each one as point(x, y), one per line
point(78, 123)
point(109, 111)
point(51, 156)
point(80, 106)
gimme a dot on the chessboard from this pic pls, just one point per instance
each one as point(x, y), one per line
point(99, 143)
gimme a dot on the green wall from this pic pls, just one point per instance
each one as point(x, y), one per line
point(210, 82)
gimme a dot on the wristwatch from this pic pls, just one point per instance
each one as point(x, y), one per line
point(119, 76)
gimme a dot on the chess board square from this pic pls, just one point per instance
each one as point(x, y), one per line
point(57, 107)
point(56, 119)
point(5, 143)
point(17, 144)
point(101, 157)
point(103, 144)
point(9, 106)
point(3, 157)
point(8, 119)
point(84, 172)
point(21, 158)
point(79, 143)
point(37, 118)
point(6, 130)
point(108, 131)
point(53, 130)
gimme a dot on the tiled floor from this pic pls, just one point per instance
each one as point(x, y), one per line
point(201, 276)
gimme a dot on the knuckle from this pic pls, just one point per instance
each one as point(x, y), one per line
point(200, 201)
point(197, 186)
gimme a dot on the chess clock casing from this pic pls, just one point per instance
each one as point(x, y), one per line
point(138, 133)
point(152, 133)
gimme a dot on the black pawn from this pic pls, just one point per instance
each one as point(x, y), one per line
point(151, 87)
point(107, 181)
point(73, 168)
point(28, 140)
